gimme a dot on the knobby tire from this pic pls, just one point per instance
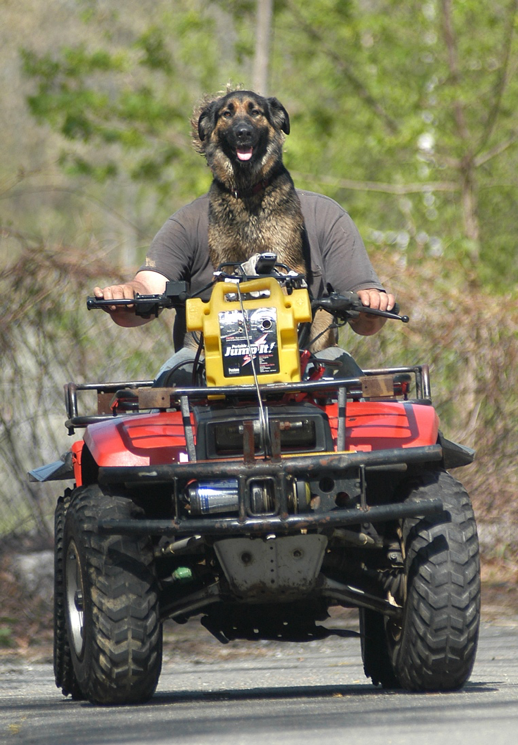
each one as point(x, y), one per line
point(121, 654)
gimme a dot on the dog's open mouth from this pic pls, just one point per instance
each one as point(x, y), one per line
point(244, 153)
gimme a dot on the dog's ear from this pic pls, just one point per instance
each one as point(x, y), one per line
point(206, 121)
point(279, 116)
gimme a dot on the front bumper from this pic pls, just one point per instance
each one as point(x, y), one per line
point(282, 471)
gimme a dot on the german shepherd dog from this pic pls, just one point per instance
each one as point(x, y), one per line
point(253, 205)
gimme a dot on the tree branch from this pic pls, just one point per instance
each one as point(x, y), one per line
point(76, 193)
point(397, 189)
point(453, 63)
point(496, 150)
point(502, 79)
point(346, 69)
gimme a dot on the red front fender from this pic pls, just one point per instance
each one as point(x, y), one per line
point(141, 440)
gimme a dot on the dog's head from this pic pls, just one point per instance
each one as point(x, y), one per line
point(241, 135)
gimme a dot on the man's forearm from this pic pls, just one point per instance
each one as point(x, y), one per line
point(144, 283)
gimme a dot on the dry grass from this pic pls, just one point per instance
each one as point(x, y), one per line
point(26, 626)
point(469, 337)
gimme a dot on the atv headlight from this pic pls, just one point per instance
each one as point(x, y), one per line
point(296, 435)
point(220, 432)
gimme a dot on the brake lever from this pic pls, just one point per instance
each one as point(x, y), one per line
point(355, 306)
point(394, 313)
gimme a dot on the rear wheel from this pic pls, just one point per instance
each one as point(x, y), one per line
point(111, 603)
point(433, 648)
point(377, 663)
point(63, 669)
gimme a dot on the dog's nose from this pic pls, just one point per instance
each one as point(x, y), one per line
point(243, 132)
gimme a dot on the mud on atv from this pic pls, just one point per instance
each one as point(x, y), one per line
point(256, 498)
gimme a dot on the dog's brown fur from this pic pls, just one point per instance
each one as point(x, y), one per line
point(253, 205)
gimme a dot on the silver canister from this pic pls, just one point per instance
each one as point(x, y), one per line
point(213, 497)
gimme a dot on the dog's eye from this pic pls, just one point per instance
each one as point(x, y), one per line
point(227, 114)
point(256, 112)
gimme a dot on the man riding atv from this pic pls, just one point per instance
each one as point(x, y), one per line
point(325, 244)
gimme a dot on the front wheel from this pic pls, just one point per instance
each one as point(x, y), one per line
point(433, 648)
point(111, 603)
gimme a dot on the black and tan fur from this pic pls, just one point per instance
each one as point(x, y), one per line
point(253, 205)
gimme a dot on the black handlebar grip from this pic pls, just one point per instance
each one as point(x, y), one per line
point(92, 303)
point(96, 303)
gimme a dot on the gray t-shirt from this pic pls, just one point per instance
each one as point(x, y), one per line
point(334, 251)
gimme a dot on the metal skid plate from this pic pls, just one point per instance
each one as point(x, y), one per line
point(284, 567)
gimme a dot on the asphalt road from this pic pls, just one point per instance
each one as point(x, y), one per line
point(277, 694)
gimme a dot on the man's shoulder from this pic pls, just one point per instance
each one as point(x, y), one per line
point(313, 196)
point(314, 201)
point(318, 209)
point(195, 209)
point(188, 222)
point(186, 227)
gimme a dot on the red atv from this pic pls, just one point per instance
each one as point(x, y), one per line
point(270, 489)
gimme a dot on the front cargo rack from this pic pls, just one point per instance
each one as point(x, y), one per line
point(123, 398)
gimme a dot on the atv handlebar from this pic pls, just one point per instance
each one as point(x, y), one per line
point(175, 295)
point(348, 305)
point(342, 306)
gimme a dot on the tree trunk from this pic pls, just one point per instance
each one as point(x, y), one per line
point(470, 207)
point(262, 46)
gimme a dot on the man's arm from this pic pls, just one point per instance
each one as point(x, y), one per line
point(346, 264)
point(144, 283)
point(365, 324)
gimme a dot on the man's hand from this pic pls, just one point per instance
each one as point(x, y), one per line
point(365, 324)
point(144, 283)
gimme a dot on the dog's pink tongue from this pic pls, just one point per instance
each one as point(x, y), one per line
point(244, 153)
